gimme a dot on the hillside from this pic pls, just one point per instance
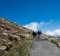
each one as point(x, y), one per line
point(13, 38)
point(16, 40)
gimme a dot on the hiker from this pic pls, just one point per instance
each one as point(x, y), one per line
point(39, 33)
point(34, 34)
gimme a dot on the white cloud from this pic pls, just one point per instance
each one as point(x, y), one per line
point(54, 33)
point(36, 26)
point(32, 26)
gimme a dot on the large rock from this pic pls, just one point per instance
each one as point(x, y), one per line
point(3, 47)
point(9, 45)
point(27, 35)
point(21, 35)
point(14, 37)
point(59, 44)
point(51, 39)
point(5, 34)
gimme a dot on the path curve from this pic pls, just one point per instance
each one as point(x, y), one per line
point(42, 47)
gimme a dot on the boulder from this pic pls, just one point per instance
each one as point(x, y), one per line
point(27, 35)
point(14, 37)
point(5, 34)
point(17, 38)
point(3, 47)
point(51, 39)
point(59, 44)
point(4, 40)
point(22, 36)
point(9, 45)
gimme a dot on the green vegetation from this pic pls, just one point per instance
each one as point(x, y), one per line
point(16, 41)
point(24, 47)
point(58, 40)
point(55, 42)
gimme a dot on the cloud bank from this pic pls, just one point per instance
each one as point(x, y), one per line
point(37, 25)
point(32, 26)
point(55, 33)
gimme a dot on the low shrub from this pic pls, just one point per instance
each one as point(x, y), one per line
point(55, 42)
point(24, 47)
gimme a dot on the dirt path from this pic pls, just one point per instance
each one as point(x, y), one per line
point(42, 47)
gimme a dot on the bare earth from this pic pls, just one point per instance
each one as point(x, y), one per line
point(42, 47)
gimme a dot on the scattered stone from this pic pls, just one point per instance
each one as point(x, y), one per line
point(27, 35)
point(14, 37)
point(51, 39)
point(22, 36)
point(8, 28)
point(11, 36)
point(59, 44)
point(20, 27)
point(3, 47)
point(17, 38)
point(4, 40)
point(9, 45)
point(5, 34)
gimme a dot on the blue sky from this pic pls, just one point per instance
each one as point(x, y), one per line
point(27, 11)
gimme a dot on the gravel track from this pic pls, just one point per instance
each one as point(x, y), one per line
point(42, 47)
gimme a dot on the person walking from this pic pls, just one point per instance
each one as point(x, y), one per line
point(39, 33)
point(34, 34)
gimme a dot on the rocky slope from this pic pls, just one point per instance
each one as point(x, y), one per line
point(54, 40)
point(11, 36)
point(16, 40)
